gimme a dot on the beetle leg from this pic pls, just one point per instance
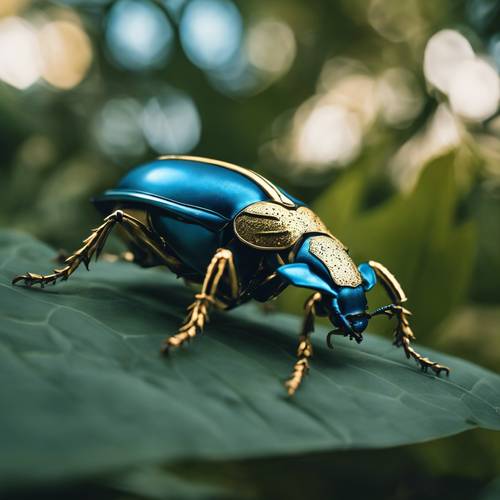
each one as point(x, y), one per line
point(304, 350)
point(403, 334)
point(198, 311)
point(92, 246)
point(125, 256)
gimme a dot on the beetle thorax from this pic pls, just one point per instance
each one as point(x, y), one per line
point(333, 255)
point(267, 225)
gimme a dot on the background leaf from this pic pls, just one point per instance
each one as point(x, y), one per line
point(80, 370)
point(492, 491)
point(156, 483)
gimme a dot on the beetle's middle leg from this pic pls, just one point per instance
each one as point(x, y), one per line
point(93, 245)
point(403, 334)
point(304, 350)
point(197, 316)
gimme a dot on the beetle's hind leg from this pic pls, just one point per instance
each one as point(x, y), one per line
point(92, 246)
point(197, 316)
point(403, 334)
point(304, 350)
point(125, 256)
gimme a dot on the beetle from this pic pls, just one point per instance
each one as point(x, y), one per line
point(240, 237)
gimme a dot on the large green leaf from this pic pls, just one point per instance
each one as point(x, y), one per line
point(84, 390)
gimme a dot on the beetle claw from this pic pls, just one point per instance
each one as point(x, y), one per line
point(17, 279)
point(86, 262)
point(28, 279)
point(165, 349)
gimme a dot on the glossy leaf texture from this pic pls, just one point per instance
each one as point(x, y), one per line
point(84, 390)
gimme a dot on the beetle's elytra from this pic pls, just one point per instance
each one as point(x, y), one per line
point(240, 237)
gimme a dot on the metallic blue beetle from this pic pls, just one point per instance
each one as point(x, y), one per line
point(240, 237)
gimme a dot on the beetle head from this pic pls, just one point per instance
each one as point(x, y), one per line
point(348, 311)
point(346, 306)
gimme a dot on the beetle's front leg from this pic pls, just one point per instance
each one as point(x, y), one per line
point(403, 334)
point(198, 311)
point(304, 350)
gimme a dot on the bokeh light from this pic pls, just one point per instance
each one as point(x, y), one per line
point(400, 99)
point(329, 134)
point(171, 122)
point(20, 64)
point(211, 32)
point(271, 46)
point(328, 129)
point(357, 94)
point(138, 34)
point(337, 68)
point(444, 52)
point(238, 77)
point(396, 21)
point(118, 130)
point(266, 54)
point(10, 7)
point(441, 134)
point(475, 91)
point(471, 83)
point(36, 153)
point(347, 83)
point(66, 53)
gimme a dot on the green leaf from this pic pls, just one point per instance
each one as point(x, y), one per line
point(84, 390)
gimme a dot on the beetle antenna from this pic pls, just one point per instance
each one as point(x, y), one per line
point(380, 310)
point(329, 337)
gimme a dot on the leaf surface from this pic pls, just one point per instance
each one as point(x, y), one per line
point(84, 390)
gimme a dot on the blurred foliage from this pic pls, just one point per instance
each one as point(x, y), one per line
point(348, 105)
